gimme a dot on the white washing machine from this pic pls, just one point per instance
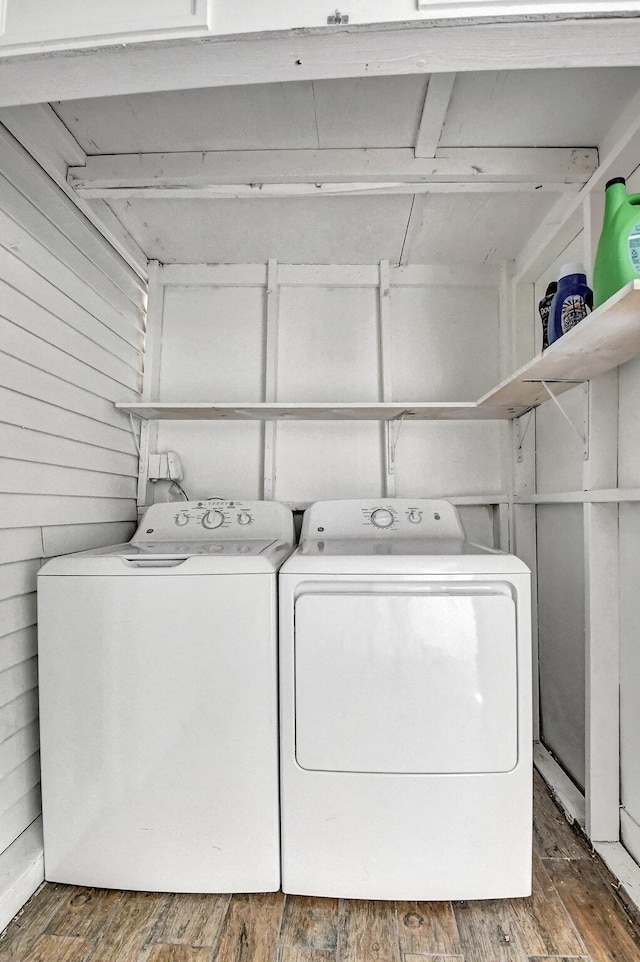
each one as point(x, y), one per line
point(405, 708)
point(158, 703)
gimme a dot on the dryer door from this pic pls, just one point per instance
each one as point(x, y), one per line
point(406, 678)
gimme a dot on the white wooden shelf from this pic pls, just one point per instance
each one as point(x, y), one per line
point(604, 340)
point(327, 411)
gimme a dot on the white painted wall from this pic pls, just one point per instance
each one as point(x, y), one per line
point(630, 676)
point(213, 347)
point(560, 553)
point(71, 336)
point(561, 639)
point(569, 573)
point(629, 528)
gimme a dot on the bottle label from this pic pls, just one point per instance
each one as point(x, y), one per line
point(634, 248)
point(574, 309)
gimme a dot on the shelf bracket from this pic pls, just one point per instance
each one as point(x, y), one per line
point(394, 426)
point(520, 434)
point(583, 433)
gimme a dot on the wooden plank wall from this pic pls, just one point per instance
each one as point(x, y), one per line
point(582, 517)
point(71, 340)
point(327, 333)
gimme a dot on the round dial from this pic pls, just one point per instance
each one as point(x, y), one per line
point(182, 518)
point(382, 518)
point(415, 517)
point(212, 519)
point(244, 518)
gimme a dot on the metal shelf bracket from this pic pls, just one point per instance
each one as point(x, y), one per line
point(520, 434)
point(394, 426)
point(583, 432)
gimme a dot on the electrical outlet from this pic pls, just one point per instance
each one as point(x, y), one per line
point(164, 467)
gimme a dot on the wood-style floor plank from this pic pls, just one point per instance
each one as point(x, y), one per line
point(23, 932)
point(83, 912)
point(368, 932)
point(309, 923)
point(411, 957)
point(296, 954)
point(194, 920)
point(558, 958)
point(179, 953)
point(486, 931)
point(251, 928)
point(553, 837)
point(541, 922)
point(59, 948)
point(427, 928)
point(130, 927)
point(608, 934)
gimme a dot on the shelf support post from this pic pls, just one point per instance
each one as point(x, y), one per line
point(271, 378)
point(151, 377)
point(384, 320)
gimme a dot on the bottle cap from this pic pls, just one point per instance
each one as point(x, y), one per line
point(573, 267)
point(614, 180)
point(551, 288)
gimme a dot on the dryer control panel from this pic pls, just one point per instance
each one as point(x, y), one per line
point(418, 518)
point(215, 520)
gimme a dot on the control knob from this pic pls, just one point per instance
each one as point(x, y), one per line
point(415, 517)
point(382, 518)
point(212, 519)
point(182, 518)
point(244, 518)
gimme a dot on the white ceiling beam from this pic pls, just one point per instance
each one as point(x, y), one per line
point(434, 111)
point(302, 172)
point(270, 191)
point(370, 51)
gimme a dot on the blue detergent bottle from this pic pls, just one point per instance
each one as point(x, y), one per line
point(572, 301)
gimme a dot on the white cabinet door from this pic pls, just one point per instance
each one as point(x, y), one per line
point(65, 22)
point(397, 682)
point(497, 8)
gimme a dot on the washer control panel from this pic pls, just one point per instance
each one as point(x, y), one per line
point(214, 520)
point(420, 518)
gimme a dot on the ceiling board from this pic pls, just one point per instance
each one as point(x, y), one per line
point(476, 228)
point(322, 230)
point(233, 118)
point(542, 108)
point(369, 112)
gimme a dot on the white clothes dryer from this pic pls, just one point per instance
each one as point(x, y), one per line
point(405, 700)
point(158, 703)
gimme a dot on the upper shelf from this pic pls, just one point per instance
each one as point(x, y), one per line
point(307, 411)
point(604, 340)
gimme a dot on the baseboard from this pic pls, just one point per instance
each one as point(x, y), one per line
point(570, 797)
point(21, 872)
point(614, 855)
point(626, 870)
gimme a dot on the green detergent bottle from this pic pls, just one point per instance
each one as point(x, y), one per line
point(618, 256)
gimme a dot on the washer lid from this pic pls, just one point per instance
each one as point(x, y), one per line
point(244, 556)
point(187, 549)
